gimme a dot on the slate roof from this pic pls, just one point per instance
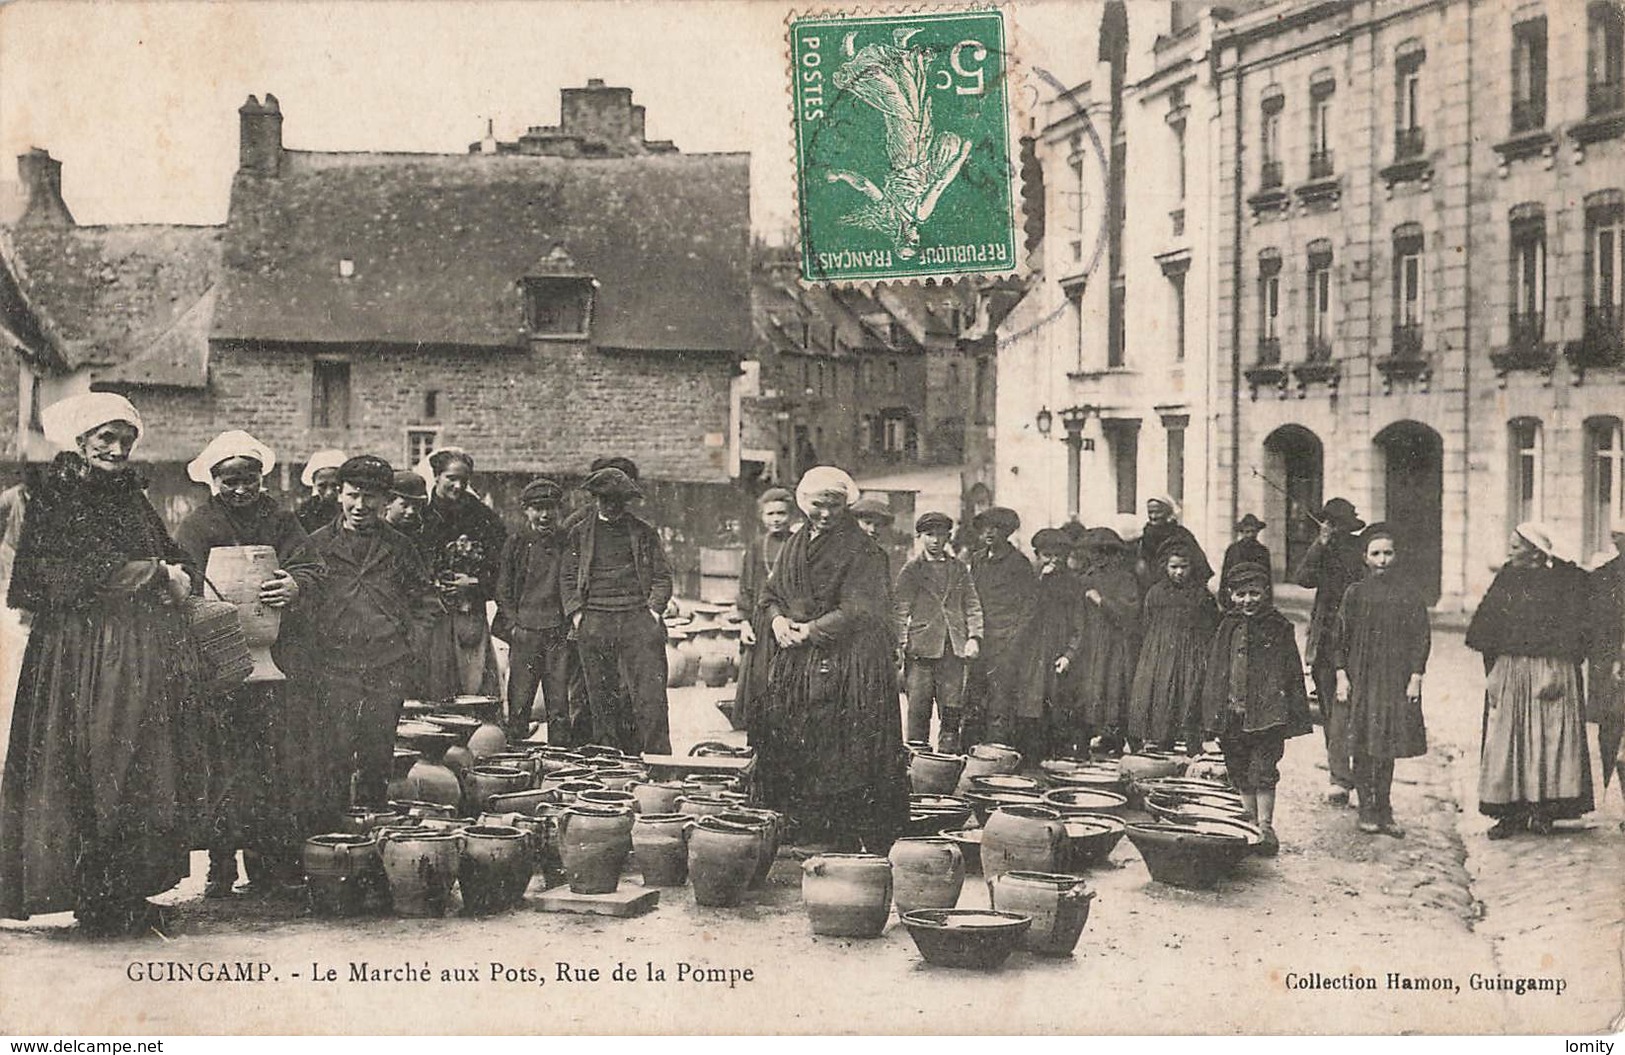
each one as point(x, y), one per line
point(439, 243)
point(104, 295)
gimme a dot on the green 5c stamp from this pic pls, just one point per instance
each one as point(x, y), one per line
point(902, 127)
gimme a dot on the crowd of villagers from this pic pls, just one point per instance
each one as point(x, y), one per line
point(119, 763)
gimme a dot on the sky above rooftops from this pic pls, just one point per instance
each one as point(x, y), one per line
point(139, 100)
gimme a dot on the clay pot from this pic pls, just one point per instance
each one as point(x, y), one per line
point(551, 781)
point(675, 663)
point(1148, 765)
point(606, 797)
point(660, 846)
point(1185, 856)
point(522, 760)
point(236, 572)
point(554, 759)
point(414, 810)
point(1004, 782)
point(847, 895)
point(495, 868)
point(930, 773)
point(421, 868)
point(400, 772)
point(521, 802)
point(488, 739)
point(341, 873)
point(1085, 800)
point(986, 759)
point(1058, 904)
point(361, 820)
point(710, 783)
point(482, 781)
point(656, 797)
point(768, 822)
point(722, 858)
point(1090, 838)
point(568, 790)
point(985, 802)
point(1022, 838)
point(704, 805)
point(431, 782)
point(617, 778)
point(593, 844)
point(1100, 776)
point(718, 749)
point(969, 841)
point(689, 652)
point(926, 873)
point(714, 670)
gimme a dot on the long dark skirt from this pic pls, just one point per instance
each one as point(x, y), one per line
point(460, 658)
point(830, 743)
point(96, 804)
point(755, 663)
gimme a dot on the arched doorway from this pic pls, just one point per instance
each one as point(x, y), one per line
point(1413, 489)
point(1294, 470)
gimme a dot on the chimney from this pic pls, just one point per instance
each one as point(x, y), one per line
point(259, 149)
point(41, 176)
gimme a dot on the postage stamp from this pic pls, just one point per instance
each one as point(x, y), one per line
point(902, 140)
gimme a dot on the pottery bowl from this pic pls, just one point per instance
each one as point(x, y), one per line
point(1184, 856)
point(985, 802)
point(1091, 837)
point(970, 937)
point(969, 841)
point(1003, 782)
point(1101, 777)
point(1068, 801)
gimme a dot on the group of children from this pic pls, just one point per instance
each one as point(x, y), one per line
point(1095, 644)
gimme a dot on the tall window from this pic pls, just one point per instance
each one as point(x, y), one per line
point(1320, 301)
point(1270, 138)
point(1604, 483)
point(1529, 75)
point(1175, 427)
point(1527, 284)
point(1605, 58)
point(330, 394)
point(1124, 439)
point(1605, 226)
point(896, 376)
point(866, 428)
point(984, 390)
point(1179, 158)
point(1408, 58)
point(420, 443)
point(1321, 87)
point(1117, 328)
point(1176, 282)
point(1525, 470)
point(1269, 307)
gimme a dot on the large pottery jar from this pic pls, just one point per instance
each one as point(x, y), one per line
point(488, 739)
point(606, 797)
point(768, 822)
point(847, 895)
point(656, 796)
point(674, 661)
point(495, 868)
point(1024, 838)
point(235, 573)
point(1058, 904)
point(594, 842)
point(985, 760)
point(930, 773)
point(660, 846)
point(340, 872)
point(421, 867)
point(518, 760)
point(618, 778)
point(926, 873)
point(429, 780)
point(481, 782)
point(554, 759)
point(722, 858)
point(400, 773)
point(696, 805)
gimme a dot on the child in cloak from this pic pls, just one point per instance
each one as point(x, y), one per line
point(1179, 616)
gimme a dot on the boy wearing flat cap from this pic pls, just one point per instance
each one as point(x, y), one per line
point(939, 627)
point(616, 585)
point(997, 699)
point(378, 605)
point(530, 618)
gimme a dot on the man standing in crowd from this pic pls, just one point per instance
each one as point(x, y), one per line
point(996, 694)
point(939, 628)
point(378, 606)
point(616, 587)
point(404, 509)
point(1333, 562)
point(530, 618)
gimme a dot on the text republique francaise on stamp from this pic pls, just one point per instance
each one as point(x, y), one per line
point(902, 139)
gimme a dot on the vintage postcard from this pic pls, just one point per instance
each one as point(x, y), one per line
point(724, 517)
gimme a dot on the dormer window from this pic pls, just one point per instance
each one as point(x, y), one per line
point(558, 297)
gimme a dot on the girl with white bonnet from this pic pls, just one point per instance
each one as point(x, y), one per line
point(96, 799)
point(1534, 768)
point(829, 728)
point(257, 736)
point(321, 475)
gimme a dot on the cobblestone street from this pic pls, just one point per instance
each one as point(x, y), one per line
point(1442, 903)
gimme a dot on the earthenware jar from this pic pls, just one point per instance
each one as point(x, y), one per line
point(617, 778)
point(483, 781)
point(606, 797)
point(768, 823)
point(722, 858)
point(400, 773)
point(429, 779)
point(986, 759)
point(569, 789)
point(1026, 838)
point(421, 867)
point(1058, 904)
point(656, 796)
point(338, 869)
point(710, 783)
point(676, 663)
point(660, 846)
point(696, 805)
point(926, 873)
point(235, 573)
point(594, 842)
point(495, 868)
point(522, 760)
point(1148, 765)
point(847, 895)
point(554, 759)
point(488, 739)
point(522, 802)
point(930, 773)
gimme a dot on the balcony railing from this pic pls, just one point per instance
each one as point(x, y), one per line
point(1526, 329)
point(1603, 322)
point(1320, 164)
point(1319, 350)
point(1408, 340)
point(1408, 143)
point(1605, 97)
point(1270, 175)
point(1269, 351)
point(1528, 115)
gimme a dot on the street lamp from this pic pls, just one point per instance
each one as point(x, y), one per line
point(1045, 421)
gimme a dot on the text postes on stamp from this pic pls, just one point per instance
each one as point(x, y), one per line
point(902, 135)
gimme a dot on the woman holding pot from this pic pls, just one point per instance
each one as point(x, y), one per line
point(259, 732)
point(96, 804)
point(829, 729)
